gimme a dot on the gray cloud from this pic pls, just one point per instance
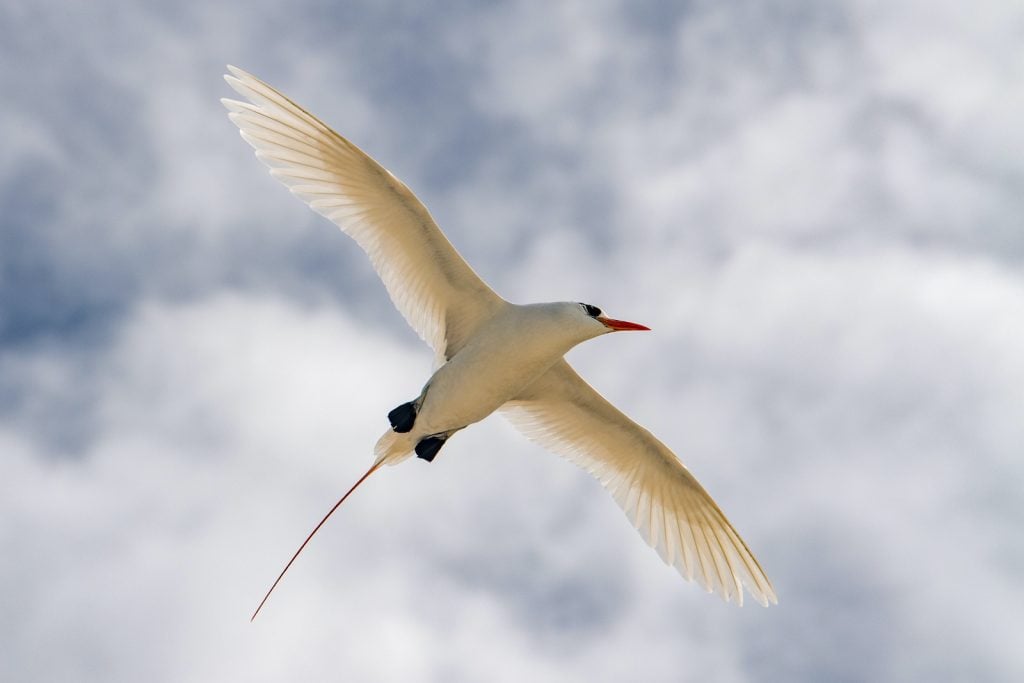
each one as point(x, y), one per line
point(817, 209)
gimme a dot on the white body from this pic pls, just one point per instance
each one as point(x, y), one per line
point(492, 354)
point(508, 353)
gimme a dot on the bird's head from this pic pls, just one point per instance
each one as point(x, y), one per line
point(592, 314)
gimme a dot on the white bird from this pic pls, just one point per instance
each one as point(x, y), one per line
point(491, 354)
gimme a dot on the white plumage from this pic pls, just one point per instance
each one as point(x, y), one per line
point(492, 354)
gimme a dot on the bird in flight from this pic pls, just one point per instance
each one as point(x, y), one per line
point(491, 355)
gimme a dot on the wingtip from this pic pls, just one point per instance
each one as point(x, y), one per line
point(238, 76)
point(762, 596)
point(766, 598)
point(763, 599)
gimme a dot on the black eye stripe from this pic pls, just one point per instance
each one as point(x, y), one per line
point(592, 311)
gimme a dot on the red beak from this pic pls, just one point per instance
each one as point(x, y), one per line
point(621, 325)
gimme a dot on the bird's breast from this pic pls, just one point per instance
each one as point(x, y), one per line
point(492, 368)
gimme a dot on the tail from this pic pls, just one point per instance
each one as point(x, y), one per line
point(392, 448)
point(312, 533)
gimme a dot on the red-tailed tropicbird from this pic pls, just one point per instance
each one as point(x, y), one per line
point(492, 354)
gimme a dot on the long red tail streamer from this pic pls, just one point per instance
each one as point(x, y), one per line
point(311, 534)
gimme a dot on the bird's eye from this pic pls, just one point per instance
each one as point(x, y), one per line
point(592, 311)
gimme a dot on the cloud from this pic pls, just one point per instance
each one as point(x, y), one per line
point(815, 207)
point(159, 532)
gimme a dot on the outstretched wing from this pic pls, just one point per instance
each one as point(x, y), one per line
point(429, 282)
point(663, 500)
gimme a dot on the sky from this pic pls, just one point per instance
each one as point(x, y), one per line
point(817, 207)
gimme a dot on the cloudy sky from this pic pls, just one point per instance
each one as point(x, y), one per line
point(818, 207)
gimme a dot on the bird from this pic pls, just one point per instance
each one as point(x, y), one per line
point(491, 355)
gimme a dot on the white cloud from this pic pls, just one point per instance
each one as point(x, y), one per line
point(817, 209)
point(217, 446)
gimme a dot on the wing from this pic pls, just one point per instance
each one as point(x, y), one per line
point(429, 282)
point(663, 500)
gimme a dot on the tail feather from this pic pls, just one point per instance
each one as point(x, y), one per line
point(392, 448)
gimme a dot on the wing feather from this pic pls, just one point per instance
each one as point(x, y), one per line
point(433, 287)
point(672, 511)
